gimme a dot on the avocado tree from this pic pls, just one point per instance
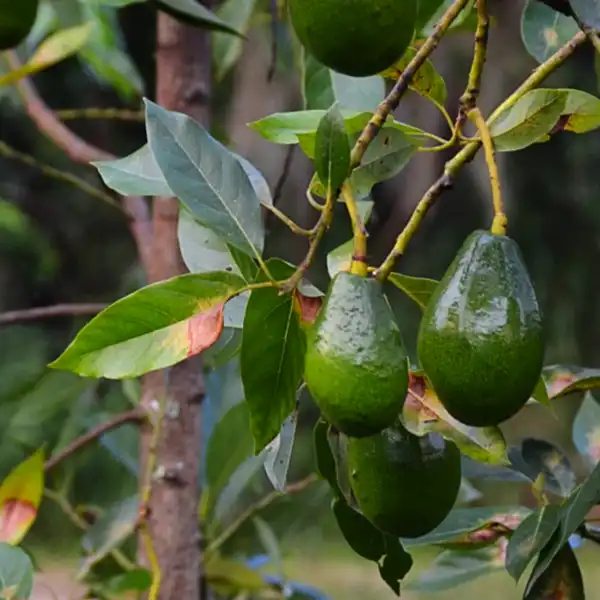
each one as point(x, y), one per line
point(395, 435)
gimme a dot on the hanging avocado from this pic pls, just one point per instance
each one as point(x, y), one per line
point(356, 367)
point(481, 342)
point(404, 484)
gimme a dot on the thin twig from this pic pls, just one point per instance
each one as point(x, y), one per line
point(358, 266)
point(109, 114)
point(58, 310)
point(294, 227)
point(467, 153)
point(274, 10)
point(132, 416)
point(285, 171)
point(261, 504)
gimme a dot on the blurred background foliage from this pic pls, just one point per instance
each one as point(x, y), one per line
point(58, 244)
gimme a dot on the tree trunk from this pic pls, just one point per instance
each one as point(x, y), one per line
point(183, 84)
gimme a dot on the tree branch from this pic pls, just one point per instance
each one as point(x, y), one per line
point(58, 310)
point(132, 416)
point(81, 151)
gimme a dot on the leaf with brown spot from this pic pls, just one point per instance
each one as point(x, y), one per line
point(307, 307)
point(204, 329)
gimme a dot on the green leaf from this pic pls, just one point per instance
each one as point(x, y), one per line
point(324, 459)
point(586, 429)
point(322, 87)
point(227, 48)
point(464, 21)
point(360, 534)
point(16, 573)
point(526, 122)
point(224, 349)
point(562, 380)
point(137, 580)
point(340, 258)
point(588, 12)
point(230, 444)
point(206, 177)
point(545, 30)
point(279, 453)
point(109, 532)
point(426, 81)
point(425, 10)
point(540, 393)
point(581, 112)
point(332, 149)
point(135, 175)
point(529, 538)
point(561, 579)
point(194, 13)
point(419, 289)
point(155, 327)
point(272, 357)
point(228, 577)
point(396, 563)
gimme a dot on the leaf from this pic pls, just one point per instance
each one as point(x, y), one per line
point(229, 577)
point(224, 349)
point(419, 289)
point(586, 429)
point(340, 258)
point(396, 563)
point(540, 393)
point(206, 177)
point(279, 453)
point(426, 81)
point(152, 328)
point(226, 48)
point(16, 573)
point(269, 542)
point(20, 497)
point(425, 10)
point(582, 111)
point(424, 413)
point(529, 538)
point(464, 21)
point(539, 456)
point(526, 122)
point(588, 12)
point(135, 175)
point(229, 445)
point(562, 579)
point(360, 534)
point(562, 380)
point(109, 532)
point(324, 459)
point(194, 13)
point(322, 87)
point(545, 30)
point(332, 150)
point(272, 357)
point(307, 307)
point(137, 580)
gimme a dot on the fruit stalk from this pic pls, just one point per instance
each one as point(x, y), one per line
point(467, 153)
point(499, 223)
point(401, 86)
point(359, 256)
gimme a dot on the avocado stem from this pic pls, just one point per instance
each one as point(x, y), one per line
point(500, 221)
point(359, 259)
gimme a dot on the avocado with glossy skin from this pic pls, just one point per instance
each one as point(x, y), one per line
point(354, 37)
point(355, 366)
point(17, 18)
point(404, 484)
point(481, 341)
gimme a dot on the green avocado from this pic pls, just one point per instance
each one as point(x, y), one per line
point(354, 37)
point(481, 341)
point(356, 367)
point(404, 484)
point(17, 17)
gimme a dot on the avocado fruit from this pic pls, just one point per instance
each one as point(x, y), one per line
point(356, 368)
point(481, 340)
point(16, 21)
point(354, 37)
point(404, 484)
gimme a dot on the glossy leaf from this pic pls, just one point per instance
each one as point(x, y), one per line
point(322, 87)
point(227, 48)
point(562, 579)
point(396, 563)
point(16, 573)
point(20, 497)
point(562, 380)
point(588, 12)
point(206, 177)
point(526, 122)
point(272, 357)
point(279, 453)
point(529, 538)
point(196, 14)
point(426, 81)
point(109, 532)
point(419, 289)
point(360, 534)
point(423, 413)
point(332, 149)
point(586, 429)
point(324, 459)
point(152, 328)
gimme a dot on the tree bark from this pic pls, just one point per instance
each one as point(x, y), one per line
point(183, 64)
